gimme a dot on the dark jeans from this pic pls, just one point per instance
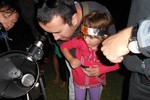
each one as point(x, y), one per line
point(139, 87)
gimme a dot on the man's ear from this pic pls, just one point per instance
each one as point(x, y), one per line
point(75, 19)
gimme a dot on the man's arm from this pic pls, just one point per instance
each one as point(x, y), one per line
point(116, 46)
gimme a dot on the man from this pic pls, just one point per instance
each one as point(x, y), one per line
point(62, 18)
point(133, 41)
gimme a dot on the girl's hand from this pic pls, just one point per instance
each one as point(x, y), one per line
point(75, 63)
point(92, 71)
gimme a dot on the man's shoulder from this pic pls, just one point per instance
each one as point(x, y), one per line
point(89, 6)
point(93, 4)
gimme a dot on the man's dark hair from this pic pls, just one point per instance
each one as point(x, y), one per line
point(50, 8)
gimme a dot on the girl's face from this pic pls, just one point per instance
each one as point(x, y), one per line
point(93, 42)
point(8, 19)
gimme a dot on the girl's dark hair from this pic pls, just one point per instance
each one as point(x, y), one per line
point(97, 19)
point(9, 6)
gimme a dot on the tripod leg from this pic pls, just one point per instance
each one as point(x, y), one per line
point(28, 98)
point(42, 87)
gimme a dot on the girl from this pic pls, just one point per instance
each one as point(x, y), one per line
point(86, 60)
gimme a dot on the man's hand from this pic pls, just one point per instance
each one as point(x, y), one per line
point(116, 46)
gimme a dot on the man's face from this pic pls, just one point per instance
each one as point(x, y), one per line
point(59, 29)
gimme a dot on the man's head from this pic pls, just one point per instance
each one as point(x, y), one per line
point(58, 17)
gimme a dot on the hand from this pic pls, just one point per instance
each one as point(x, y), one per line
point(116, 46)
point(92, 71)
point(74, 63)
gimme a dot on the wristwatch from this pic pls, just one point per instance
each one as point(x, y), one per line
point(133, 44)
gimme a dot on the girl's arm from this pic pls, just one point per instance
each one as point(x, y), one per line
point(100, 69)
point(106, 69)
point(73, 61)
point(65, 48)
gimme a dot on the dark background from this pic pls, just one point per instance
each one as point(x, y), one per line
point(22, 34)
point(119, 10)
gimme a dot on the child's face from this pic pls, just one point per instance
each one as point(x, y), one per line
point(93, 42)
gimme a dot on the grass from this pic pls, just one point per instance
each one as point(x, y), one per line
point(112, 90)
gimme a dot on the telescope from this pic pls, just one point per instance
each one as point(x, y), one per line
point(19, 71)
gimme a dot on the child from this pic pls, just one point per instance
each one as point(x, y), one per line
point(60, 67)
point(94, 28)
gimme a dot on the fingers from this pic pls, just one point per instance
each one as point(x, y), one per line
point(114, 54)
point(75, 63)
point(117, 60)
point(91, 71)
